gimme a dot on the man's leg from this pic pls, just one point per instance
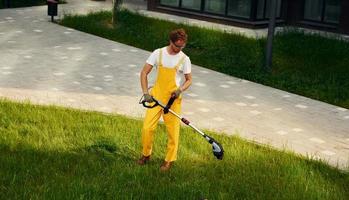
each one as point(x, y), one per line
point(151, 120)
point(172, 124)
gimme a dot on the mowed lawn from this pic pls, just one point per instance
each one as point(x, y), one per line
point(49, 152)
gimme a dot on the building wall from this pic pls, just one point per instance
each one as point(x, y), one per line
point(154, 5)
point(294, 11)
point(344, 19)
point(292, 15)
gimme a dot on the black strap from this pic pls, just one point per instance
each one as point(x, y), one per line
point(169, 103)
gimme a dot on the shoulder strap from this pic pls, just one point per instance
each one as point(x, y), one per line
point(160, 57)
point(180, 62)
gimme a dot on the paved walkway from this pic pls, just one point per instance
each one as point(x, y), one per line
point(50, 64)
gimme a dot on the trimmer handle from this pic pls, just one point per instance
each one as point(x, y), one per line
point(148, 105)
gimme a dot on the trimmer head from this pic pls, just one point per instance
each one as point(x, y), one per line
point(217, 150)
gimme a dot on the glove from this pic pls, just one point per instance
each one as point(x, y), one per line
point(176, 93)
point(148, 98)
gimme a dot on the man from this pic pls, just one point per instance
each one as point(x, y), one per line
point(173, 77)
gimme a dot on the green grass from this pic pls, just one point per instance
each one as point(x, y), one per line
point(57, 153)
point(308, 65)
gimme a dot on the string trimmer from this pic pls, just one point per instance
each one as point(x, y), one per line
point(216, 147)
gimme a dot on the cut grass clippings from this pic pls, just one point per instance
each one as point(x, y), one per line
point(49, 152)
point(309, 65)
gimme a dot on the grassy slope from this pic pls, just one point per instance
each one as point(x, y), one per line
point(56, 153)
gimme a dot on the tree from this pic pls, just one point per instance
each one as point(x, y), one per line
point(116, 8)
point(271, 30)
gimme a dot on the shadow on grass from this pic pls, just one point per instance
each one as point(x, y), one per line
point(105, 170)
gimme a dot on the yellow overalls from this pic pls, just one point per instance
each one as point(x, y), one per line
point(165, 84)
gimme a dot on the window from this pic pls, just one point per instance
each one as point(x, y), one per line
point(313, 9)
point(191, 4)
point(239, 8)
point(170, 2)
point(215, 6)
point(322, 10)
point(251, 10)
point(264, 6)
point(332, 11)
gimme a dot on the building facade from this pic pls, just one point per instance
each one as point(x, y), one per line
point(329, 15)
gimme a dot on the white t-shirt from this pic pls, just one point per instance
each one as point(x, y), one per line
point(171, 61)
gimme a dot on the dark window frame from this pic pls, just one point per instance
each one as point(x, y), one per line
point(282, 5)
point(323, 11)
point(252, 17)
point(213, 13)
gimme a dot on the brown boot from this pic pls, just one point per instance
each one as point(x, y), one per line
point(143, 160)
point(165, 166)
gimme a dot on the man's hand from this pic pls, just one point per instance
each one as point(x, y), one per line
point(176, 93)
point(148, 98)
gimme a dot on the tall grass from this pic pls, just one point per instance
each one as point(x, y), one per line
point(57, 153)
point(309, 65)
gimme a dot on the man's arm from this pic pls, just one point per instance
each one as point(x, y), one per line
point(187, 83)
point(144, 77)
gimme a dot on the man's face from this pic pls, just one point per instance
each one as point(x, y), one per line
point(177, 46)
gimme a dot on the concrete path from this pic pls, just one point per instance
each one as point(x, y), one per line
point(51, 64)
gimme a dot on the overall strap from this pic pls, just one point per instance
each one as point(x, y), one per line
point(180, 62)
point(160, 57)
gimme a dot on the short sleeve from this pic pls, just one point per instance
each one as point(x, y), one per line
point(187, 66)
point(153, 58)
